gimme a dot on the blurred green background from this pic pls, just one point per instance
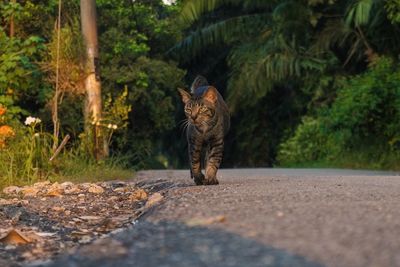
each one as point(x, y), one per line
point(310, 83)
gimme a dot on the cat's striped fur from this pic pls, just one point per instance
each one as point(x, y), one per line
point(208, 121)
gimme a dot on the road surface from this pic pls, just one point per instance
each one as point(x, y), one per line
point(260, 217)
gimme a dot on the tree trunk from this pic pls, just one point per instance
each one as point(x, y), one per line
point(93, 105)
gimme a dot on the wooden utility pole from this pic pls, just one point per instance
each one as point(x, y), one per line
point(93, 105)
point(54, 108)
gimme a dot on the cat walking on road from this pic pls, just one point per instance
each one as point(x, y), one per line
point(208, 121)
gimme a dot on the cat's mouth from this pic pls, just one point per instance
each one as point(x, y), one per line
point(193, 122)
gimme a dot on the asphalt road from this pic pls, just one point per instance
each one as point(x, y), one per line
point(260, 217)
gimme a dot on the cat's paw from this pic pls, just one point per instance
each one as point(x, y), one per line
point(199, 179)
point(211, 181)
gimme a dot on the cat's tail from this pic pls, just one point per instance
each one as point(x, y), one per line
point(199, 81)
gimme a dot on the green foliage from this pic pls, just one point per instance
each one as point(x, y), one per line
point(25, 159)
point(26, 156)
point(17, 68)
point(152, 89)
point(133, 37)
point(134, 59)
point(306, 145)
point(364, 118)
point(393, 10)
point(306, 81)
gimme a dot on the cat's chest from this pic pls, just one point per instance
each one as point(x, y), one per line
point(204, 137)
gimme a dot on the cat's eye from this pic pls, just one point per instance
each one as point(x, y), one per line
point(187, 109)
point(203, 109)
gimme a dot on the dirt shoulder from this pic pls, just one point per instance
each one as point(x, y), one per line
point(39, 222)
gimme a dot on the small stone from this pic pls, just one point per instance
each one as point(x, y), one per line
point(95, 189)
point(10, 247)
point(113, 198)
point(81, 195)
point(5, 201)
point(66, 185)
point(85, 239)
point(41, 184)
point(120, 189)
point(67, 212)
point(72, 190)
point(85, 186)
point(10, 190)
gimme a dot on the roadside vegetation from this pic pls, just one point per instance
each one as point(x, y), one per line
point(309, 83)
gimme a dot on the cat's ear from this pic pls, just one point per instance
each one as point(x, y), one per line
point(185, 95)
point(211, 94)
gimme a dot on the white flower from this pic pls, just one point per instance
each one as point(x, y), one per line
point(114, 126)
point(36, 134)
point(32, 120)
point(109, 126)
point(169, 2)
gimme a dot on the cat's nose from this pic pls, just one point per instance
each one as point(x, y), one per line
point(193, 116)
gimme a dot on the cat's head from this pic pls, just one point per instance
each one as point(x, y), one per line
point(200, 109)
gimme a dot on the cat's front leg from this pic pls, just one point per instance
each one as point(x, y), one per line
point(195, 161)
point(214, 159)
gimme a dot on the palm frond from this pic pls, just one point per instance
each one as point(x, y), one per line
point(359, 12)
point(258, 68)
point(337, 34)
point(193, 9)
point(226, 31)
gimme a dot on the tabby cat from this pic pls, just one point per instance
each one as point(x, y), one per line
point(208, 121)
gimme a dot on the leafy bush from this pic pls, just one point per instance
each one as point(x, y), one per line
point(308, 143)
point(363, 120)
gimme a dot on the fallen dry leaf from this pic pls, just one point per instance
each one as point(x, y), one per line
point(54, 192)
point(153, 199)
point(58, 209)
point(90, 218)
point(44, 234)
point(205, 221)
point(29, 191)
point(15, 237)
point(138, 195)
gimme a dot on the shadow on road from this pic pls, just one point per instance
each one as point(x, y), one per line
point(170, 244)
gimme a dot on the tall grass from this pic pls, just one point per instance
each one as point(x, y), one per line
point(25, 160)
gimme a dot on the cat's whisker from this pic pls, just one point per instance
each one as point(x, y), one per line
point(185, 124)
